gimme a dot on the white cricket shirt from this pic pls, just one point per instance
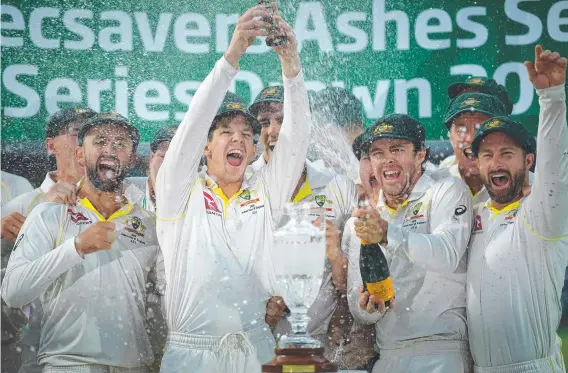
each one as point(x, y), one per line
point(518, 255)
point(93, 308)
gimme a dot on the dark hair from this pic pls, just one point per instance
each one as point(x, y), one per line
point(260, 106)
point(418, 146)
point(223, 121)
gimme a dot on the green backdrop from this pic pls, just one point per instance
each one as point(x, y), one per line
point(145, 58)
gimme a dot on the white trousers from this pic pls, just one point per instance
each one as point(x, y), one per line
point(430, 356)
point(242, 352)
point(93, 368)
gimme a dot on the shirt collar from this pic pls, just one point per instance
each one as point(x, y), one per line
point(317, 175)
point(210, 183)
point(494, 211)
point(148, 203)
point(254, 167)
point(124, 210)
point(420, 188)
point(48, 182)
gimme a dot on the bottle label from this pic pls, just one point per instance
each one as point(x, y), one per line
point(381, 290)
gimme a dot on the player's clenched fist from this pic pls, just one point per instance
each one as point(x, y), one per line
point(11, 225)
point(248, 27)
point(275, 310)
point(62, 192)
point(99, 236)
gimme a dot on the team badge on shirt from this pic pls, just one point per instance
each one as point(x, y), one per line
point(415, 212)
point(320, 200)
point(510, 217)
point(135, 225)
point(415, 216)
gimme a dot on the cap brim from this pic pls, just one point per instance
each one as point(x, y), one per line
point(448, 121)
point(252, 118)
point(367, 143)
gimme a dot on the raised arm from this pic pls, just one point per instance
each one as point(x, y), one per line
point(179, 172)
point(285, 167)
point(36, 261)
point(546, 208)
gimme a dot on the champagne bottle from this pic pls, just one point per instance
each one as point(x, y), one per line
point(375, 272)
point(273, 39)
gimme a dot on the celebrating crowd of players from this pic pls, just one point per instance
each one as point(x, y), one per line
point(173, 272)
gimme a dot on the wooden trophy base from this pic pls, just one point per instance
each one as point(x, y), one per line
point(299, 360)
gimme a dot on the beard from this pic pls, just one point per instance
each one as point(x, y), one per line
point(511, 193)
point(112, 181)
point(401, 191)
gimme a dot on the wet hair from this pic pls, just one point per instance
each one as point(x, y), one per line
point(419, 146)
point(263, 105)
point(223, 121)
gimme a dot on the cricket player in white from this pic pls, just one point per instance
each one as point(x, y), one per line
point(519, 245)
point(12, 319)
point(423, 226)
point(58, 186)
point(322, 188)
point(461, 130)
point(88, 263)
point(215, 228)
point(12, 186)
point(463, 117)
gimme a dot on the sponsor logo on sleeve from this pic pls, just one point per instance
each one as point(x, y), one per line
point(460, 210)
point(477, 227)
point(18, 242)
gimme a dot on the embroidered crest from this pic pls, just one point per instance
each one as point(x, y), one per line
point(320, 200)
point(383, 128)
point(135, 225)
point(470, 102)
point(475, 81)
point(245, 195)
point(235, 106)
